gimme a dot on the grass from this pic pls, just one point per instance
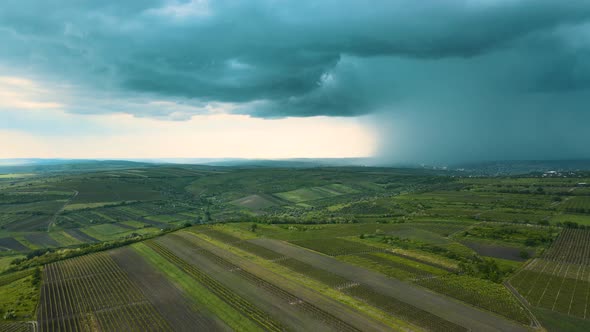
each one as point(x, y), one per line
point(315, 193)
point(577, 204)
point(21, 296)
point(419, 256)
point(5, 261)
point(64, 238)
point(254, 202)
point(197, 292)
point(393, 266)
point(164, 218)
point(507, 264)
point(336, 246)
point(133, 223)
point(16, 175)
point(104, 232)
point(23, 241)
point(82, 206)
point(581, 219)
point(409, 231)
point(294, 232)
point(556, 322)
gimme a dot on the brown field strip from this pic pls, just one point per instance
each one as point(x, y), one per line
point(92, 293)
point(168, 300)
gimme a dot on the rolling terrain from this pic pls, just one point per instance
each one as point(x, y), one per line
point(184, 248)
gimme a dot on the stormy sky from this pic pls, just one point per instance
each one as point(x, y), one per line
point(402, 80)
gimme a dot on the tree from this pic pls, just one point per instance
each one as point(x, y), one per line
point(253, 228)
point(36, 277)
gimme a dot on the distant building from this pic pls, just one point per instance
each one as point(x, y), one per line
point(582, 184)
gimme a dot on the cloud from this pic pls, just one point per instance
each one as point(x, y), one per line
point(430, 69)
point(23, 94)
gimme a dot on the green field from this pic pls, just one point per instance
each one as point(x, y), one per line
point(559, 280)
point(315, 193)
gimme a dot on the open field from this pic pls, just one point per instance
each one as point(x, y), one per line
point(9, 243)
point(254, 202)
point(19, 294)
point(315, 193)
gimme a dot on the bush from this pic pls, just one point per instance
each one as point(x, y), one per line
point(36, 277)
point(10, 314)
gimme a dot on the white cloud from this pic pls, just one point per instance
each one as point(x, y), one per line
point(183, 10)
point(25, 94)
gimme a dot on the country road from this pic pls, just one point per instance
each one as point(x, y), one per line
point(52, 220)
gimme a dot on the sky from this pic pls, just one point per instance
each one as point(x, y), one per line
point(400, 80)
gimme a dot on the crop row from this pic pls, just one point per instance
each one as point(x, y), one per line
point(288, 297)
point(401, 309)
point(578, 204)
point(336, 246)
point(550, 286)
point(92, 292)
point(221, 236)
point(244, 245)
point(441, 228)
point(323, 276)
point(326, 277)
point(220, 290)
point(398, 264)
point(366, 294)
point(572, 246)
point(15, 327)
point(480, 293)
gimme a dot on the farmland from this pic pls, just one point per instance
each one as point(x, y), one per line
point(559, 280)
point(181, 248)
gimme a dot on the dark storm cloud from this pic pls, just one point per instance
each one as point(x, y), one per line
point(437, 67)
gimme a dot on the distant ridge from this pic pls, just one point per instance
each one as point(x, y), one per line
point(63, 165)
